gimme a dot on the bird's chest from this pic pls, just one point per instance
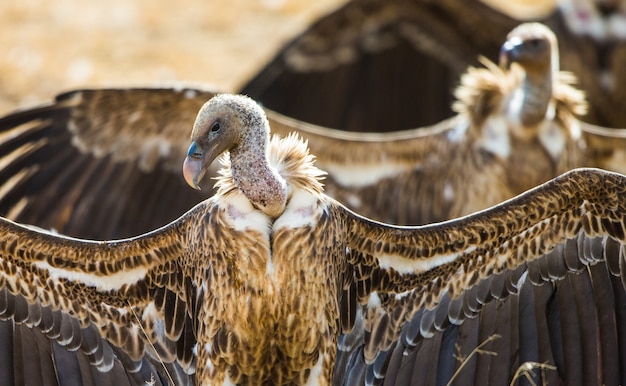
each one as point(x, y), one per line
point(271, 303)
point(531, 155)
point(266, 260)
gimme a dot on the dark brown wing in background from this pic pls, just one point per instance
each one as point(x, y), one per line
point(94, 196)
point(406, 81)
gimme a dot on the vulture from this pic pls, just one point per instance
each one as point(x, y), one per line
point(108, 158)
point(256, 284)
point(516, 127)
point(393, 64)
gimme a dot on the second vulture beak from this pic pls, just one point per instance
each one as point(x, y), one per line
point(509, 52)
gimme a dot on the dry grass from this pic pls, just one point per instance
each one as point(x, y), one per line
point(464, 359)
point(50, 46)
point(526, 370)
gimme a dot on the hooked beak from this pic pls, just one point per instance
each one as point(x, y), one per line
point(510, 52)
point(193, 167)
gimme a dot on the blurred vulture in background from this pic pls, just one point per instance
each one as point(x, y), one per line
point(386, 65)
point(107, 160)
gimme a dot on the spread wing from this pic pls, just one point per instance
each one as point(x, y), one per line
point(391, 65)
point(412, 284)
point(130, 299)
point(110, 154)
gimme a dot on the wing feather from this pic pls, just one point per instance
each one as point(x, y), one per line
point(466, 343)
point(620, 320)
point(35, 371)
point(486, 333)
point(62, 153)
point(528, 334)
point(85, 303)
point(572, 340)
point(589, 333)
point(551, 318)
point(607, 329)
point(541, 296)
point(503, 344)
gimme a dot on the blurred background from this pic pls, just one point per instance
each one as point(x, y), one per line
point(51, 46)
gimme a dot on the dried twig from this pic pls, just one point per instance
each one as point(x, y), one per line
point(465, 359)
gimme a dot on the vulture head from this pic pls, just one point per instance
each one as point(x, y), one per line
point(237, 124)
point(223, 124)
point(534, 47)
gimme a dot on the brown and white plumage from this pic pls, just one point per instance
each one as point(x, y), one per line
point(109, 126)
point(265, 294)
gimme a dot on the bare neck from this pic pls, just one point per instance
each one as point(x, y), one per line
point(537, 94)
point(256, 178)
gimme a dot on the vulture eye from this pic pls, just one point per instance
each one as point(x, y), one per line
point(215, 127)
point(535, 43)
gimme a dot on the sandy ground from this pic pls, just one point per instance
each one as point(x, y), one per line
point(50, 46)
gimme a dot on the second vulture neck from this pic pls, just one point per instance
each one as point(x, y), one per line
point(537, 95)
point(255, 177)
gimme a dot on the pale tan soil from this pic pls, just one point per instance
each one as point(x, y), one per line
point(50, 46)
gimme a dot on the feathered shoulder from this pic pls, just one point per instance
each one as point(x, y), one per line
point(568, 98)
point(481, 91)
